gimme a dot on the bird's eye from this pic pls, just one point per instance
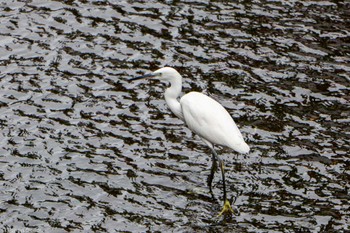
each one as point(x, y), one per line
point(159, 74)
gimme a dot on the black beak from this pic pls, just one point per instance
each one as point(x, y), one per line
point(142, 77)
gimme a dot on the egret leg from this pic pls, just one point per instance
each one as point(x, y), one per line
point(213, 169)
point(227, 209)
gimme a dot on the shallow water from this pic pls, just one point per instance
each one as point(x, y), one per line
point(84, 150)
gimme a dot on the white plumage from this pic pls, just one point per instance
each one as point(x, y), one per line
point(205, 117)
point(210, 120)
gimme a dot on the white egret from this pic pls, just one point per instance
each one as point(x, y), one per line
point(205, 117)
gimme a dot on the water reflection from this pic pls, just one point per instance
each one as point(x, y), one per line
point(84, 150)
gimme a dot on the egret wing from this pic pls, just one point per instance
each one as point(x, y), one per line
point(210, 120)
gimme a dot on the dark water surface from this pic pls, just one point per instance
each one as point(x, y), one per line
point(83, 150)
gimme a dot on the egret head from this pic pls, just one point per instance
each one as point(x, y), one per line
point(163, 74)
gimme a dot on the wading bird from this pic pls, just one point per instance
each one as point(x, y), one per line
point(205, 117)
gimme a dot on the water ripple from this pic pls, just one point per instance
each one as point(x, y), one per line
point(83, 150)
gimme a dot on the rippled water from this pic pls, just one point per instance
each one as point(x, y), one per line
point(84, 150)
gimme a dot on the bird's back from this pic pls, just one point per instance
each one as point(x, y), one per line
point(210, 120)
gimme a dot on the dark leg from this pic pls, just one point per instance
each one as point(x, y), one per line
point(221, 165)
point(227, 209)
point(213, 169)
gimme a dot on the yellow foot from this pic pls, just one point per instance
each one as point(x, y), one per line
point(226, 210)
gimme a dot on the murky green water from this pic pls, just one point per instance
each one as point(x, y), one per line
point(83, 150)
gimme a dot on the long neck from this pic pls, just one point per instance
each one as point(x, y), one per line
point(171, 95)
